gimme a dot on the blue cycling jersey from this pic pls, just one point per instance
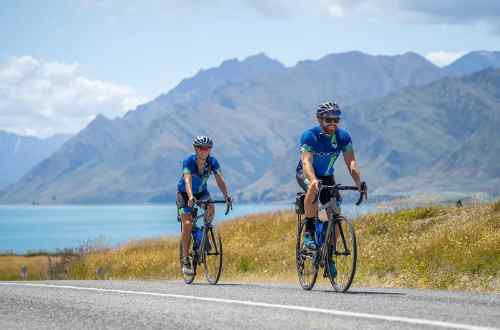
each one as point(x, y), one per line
point(325, 149)
point(199, 180)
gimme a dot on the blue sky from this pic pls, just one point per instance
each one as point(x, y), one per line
point(108, 55)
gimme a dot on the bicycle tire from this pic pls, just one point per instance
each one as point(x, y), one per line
point(344, 254)
point(303, 258)
point(188, 279)
point(211, 250)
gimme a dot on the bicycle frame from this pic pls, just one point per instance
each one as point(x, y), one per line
point(333, 211)
point(200, 251)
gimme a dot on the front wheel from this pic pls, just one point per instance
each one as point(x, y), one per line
point(211, 250)
point(188, 279)
point(342, 254)
point(306, 261)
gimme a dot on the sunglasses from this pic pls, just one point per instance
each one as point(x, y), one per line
point(204, 148)
point(331, 120)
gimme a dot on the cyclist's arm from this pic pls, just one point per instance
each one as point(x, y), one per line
point(219, 179)
point(307, 165)
point(352, 167)
point(188, 179)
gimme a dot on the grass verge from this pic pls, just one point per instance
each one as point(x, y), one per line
point(435, 247)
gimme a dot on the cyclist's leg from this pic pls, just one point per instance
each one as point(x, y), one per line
point(310, 208)
point(187, 225)
point(310, 201)
point(210, 207)
point(187, 221)
point(211, 212)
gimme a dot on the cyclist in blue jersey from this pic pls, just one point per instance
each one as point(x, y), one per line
point(320, 147)
point(192, 186)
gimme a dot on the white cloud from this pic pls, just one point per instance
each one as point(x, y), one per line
point(462, 12)
point(336, 11)
point(42, 98)
point(414, 11)
point(332, 8)
point(443, 58)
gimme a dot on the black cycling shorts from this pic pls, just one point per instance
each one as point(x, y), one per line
point(326, 180)
point(304, 183)
point(182, 200)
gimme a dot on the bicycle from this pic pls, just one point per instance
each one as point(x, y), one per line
point(207, 249)
point(336, 244)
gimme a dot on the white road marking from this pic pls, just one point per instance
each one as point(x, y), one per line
point(276, 306)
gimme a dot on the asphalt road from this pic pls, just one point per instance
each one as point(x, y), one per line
point(174, 305)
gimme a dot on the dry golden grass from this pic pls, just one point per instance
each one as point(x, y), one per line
point(435, 247)
point(145, 259)
point(10, 267)
point(428, 247)
point(260, 247)
point(254, 248)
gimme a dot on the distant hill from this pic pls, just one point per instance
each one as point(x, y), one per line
point(255, 110)
point(473, 62)
point(18, 154)
point(445, 132)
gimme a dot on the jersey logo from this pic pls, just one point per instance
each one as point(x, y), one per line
point(334, 141)
point(324, 154)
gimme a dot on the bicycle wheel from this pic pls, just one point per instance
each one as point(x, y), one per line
point(342, 251)
point(212, 254)
point(188, 279)
point(307, 266)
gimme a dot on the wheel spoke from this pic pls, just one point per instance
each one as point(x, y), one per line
point(343, 253)
point(212, 250)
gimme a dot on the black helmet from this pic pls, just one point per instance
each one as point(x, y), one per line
point(202, 141)
point(328, 109)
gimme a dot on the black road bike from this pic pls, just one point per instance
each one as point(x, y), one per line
point(206, 250)
point(336, 251)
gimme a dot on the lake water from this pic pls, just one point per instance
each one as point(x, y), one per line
point(48, 228)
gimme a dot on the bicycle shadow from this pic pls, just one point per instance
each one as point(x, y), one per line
point(294, 288)
point(367, 293)
point(231, 284)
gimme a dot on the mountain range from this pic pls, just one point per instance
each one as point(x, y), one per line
point(473, 62)
point(19, 154)
point(412, 123)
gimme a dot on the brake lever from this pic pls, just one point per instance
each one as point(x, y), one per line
point(229, 207)
point(364, 192)
point(360, 199)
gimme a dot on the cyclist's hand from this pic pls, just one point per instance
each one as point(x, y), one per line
point(363, 188)
point(229, 201)
point(191, 201)
point(315, 186)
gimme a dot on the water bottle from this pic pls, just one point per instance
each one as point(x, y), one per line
point(197, 234)
point(320, 231)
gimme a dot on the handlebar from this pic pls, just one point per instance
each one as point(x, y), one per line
point(229, 206)
point(362, 194)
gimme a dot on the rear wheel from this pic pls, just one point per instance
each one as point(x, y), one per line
point(188, 279)
point(212, 254)
point(307, 267)
point(342, 253)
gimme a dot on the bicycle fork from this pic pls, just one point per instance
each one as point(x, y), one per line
point(323, 252)
point(330, 242)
